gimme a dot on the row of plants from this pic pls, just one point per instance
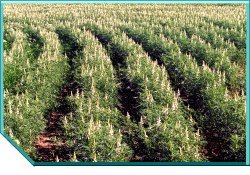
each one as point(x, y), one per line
point(217, 41)
point(222, 116)
point(208, 34)
point(214, 58)
point(227, 24)
point(8, 38)
point(164, 127)
point(233, 35)
point(122, 105)
point(32, 81)
point(238, 38)
point(128, 92)
point(92, 130)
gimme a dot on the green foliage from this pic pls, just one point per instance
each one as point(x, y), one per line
point(213, 58)
point(92, 131)
point(36, 43)
point(69, 42)
point(210, 36)
point(204, 92)
point(13, 75)
point(8, 40)
point(171, 88)
point(154, 98)
point(232, 32)
point(30, 91)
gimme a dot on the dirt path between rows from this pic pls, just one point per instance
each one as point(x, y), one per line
point(50, 144)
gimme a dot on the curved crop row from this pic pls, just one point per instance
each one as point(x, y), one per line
point(126, 82)
point(231, 35)
point(8, 39)
point(214, 58)
point(237, 37)
point(226, 24)
point(223, 116)
point(217, 41)
point(93, 131)
point(230, 41)
point(28, 100)
point(166, 132)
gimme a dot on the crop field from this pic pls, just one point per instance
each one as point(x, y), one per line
point(126, 82)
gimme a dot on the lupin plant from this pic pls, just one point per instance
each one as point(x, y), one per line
point(214, 58)
point(238, 38)
point(204, 89)
point(220, 36)
point(8, 38)
point(217, 41)
point(161, 106)
point(35, 91)
point(237, 26)
point(170, 89)
point(235, 33)
point(232, 41)
point(162, 109)
point(94, 132)
point(13, 60)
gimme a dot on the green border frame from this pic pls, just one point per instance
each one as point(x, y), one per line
point(126, 163)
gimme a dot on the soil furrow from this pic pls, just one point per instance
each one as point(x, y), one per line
point(51, 144)
point(128, 91)
point(214, 144)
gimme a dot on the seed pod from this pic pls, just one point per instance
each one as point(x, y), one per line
point(111, 131)
point(74, 159)
point(180, 150)
point(57, 159)
point(186, 132)
point(94, 157)
point(158, 122)
point(145, 134)
point(141, 121)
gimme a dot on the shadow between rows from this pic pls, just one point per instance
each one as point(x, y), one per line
point(215, 143)
point(128, 94)
point(52, 144)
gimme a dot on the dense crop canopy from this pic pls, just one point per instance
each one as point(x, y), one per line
point(109, 83)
